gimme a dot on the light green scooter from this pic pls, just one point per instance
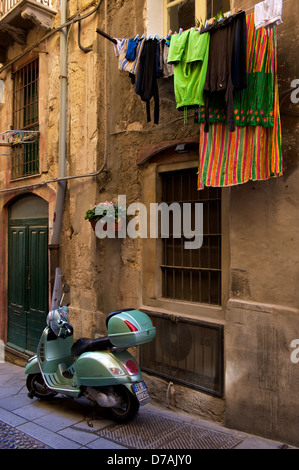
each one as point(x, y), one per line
point(101, 370)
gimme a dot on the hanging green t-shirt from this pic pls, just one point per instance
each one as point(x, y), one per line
point(189, 52)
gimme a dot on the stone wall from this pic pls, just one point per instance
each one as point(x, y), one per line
point(262, 314)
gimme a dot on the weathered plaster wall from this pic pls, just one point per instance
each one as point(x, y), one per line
point(106, 274)
point(125, 129)
point(263, 313)
point(265, 214)
point(77, 243)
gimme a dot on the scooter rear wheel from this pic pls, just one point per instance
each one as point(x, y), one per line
point(37, 387)
point(129, 405)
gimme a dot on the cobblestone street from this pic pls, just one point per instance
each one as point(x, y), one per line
point(63, 423)
point(12, 438)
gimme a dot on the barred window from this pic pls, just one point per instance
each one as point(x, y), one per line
point(25, 157)
point(192, 274)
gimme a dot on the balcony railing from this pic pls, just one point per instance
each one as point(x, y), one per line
point(7, 5)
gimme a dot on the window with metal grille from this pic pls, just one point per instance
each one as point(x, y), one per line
point(192, 274)
point(25, 157)
point(187, 352)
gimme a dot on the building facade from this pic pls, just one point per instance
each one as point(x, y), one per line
point(226, 313)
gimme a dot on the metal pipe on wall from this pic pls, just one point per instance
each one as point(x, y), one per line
point(61, 186)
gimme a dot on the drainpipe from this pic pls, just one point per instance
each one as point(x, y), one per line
point(61, 185)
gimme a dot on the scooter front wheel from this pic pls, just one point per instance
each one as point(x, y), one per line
point(37, 387)
point(129, 406)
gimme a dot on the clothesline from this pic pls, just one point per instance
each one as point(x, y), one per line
point(105, 35)
point(244, 140)
point(114, 40)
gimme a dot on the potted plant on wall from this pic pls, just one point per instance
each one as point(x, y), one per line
point(112, 215)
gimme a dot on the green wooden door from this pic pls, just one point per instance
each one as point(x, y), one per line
point(28, 282)
point(17, 286)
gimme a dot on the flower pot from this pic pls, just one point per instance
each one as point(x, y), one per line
point(108, 226)
point(114, 226)
point(93, 223)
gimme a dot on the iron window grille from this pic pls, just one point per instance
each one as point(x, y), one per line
point(187, 352)
point(25, 157)
point(192, 274)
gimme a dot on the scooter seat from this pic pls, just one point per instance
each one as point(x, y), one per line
point(83, 345)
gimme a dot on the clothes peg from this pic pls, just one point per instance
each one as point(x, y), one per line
point(142, 37)
point(207, 22)
point(180, 31)
point(136, 37)
point(168, 37)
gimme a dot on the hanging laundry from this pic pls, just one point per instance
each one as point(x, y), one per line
point(116, 46)
point(250, 153)
point(230, 158)
point(267, 13)
point(148, 73)
point(164, 51)
point(131, 50)
point(227, 64)
point(238, 64)
point(130, 66)
point(189, 52)
point(253, 105)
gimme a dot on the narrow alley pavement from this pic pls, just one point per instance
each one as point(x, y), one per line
point(63, 423)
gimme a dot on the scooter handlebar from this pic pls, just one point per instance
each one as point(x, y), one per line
point(57, 321)
point(64, 329)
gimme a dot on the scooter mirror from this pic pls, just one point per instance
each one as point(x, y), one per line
point(66, 288)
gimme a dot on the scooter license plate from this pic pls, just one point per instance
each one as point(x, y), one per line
point(141, 392)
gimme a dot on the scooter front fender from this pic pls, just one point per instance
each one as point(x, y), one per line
point(32, 366)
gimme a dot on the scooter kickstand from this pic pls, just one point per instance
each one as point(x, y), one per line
point(93, 416)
